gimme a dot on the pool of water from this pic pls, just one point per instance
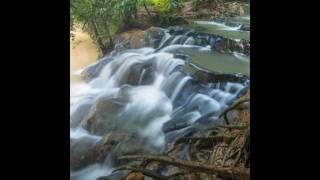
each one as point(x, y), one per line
point(217, 62)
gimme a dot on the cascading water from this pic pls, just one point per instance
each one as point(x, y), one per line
point(145, 93)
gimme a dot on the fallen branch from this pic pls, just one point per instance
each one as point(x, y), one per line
point(195, 166)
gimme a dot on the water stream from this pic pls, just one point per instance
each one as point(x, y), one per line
point(148, 94)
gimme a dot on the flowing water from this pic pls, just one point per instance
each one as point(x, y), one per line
point(148, 94)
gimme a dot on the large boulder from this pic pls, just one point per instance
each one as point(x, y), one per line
point(103, 115)
point(82, 152)
point(155, 35)
point(132, 39)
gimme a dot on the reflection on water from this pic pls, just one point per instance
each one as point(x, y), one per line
point(82, 53)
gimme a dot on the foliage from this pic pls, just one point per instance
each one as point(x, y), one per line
point(165, 6)
point(199, 2)
point(103, 18)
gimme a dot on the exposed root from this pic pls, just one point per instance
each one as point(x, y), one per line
point(194, 166)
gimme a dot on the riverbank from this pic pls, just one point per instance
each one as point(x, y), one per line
point(83, 52)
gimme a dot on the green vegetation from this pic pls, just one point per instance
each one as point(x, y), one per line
point(210, 2)
point(101, 19)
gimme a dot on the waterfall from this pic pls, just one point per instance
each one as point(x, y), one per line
point(137, 92)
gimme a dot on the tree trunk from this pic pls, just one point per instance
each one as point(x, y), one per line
point(145, 7)
point(98, 38)
point(109, 35)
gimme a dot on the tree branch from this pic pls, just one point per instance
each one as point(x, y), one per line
point(195, 166)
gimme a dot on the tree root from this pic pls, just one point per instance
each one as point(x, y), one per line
point(217, 138)
point(226, 155)
point(195, 166)
point(247, 135)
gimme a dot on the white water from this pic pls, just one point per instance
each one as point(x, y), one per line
point(148, 107)
point(179, 87)
point(222, 26)
point(91, 172)
point(148, 100)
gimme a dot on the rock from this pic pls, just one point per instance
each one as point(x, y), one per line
point(218, 43)
point(132, 39)
point(103, 115)
point(245, 27)
point(114, 176)
point(135, 176)
point(232, 24)
point(206, 76)
point(93, 70)
point(79, 114)
point(235, 8)
point(82, 152)
point(180, 56)
point(85, 151)
point(155, 36)
point(115, 145)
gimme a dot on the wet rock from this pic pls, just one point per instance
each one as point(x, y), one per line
point(123, 144)
point(206, 76)
point(173, 126)
point(181, 56)
point(132, 39)
point(87, 150)
point(148, 76)
point(93, 71)
point(232, 24)
point(79, 114)
point(114, 176)
point(155, 36)
point(225, 45)
point(218, 43)
point(133, 75)
point(103, 115)
point(176, 30)
point(245, 27)
point(82, 152)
